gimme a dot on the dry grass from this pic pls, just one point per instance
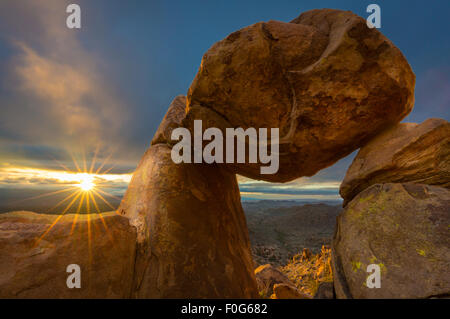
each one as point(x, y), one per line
point(307, 270)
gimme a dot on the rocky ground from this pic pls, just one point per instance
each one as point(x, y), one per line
point(293, 238)
point(281, 229)
point(308, 271)
point(305, 276)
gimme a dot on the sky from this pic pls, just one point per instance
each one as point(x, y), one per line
point(69, 96)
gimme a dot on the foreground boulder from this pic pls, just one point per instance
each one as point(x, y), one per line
point(33, 268)
point(325, 291)
point(402, 228)
point(285, 291)
point(407, 152)
point(191, 230)
point(267, 276)
point(327, 81)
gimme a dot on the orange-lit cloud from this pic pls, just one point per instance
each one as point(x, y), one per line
point(60, 82)
point(24, 176)
point(278, 196)
point(306, 188)
point(63, 88)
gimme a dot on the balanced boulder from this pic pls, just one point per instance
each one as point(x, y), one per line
point(407, 152)
point(327, 81)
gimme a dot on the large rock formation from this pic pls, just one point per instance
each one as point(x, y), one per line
point(192, 234)
point(326, 80)
point(402, 228)
point(407, 152)
point(33, 268)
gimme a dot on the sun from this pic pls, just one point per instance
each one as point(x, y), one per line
point(85, 190)
point(86, 183)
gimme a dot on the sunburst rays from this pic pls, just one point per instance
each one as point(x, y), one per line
point(83, 195)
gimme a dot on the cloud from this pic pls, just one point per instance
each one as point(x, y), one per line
point(55, 98)
point(81, 107)
point(297, 197)
point(314, 189)
point(55, 94)
point(20, 177)
point(322, 186)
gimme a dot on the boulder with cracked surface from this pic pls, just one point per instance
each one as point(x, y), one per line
point(407, 152)
point(327, 81)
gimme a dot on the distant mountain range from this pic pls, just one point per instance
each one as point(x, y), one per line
point(280, 229)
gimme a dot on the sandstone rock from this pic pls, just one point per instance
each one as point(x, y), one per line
point(30, 268)
point(173, 118)
point(407, 152)
point(285, 291)
point(325, 291)
point(191, 230)
point(267, 276)
point(325, 80)
point(403, 228)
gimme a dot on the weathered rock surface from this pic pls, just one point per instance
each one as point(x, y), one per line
point(267, 276)
point(325, 80)
point(285, 291)
point(325, 291)
point(33, 268)
point(407, 152)
point(403, 228)
point(173, 118)
point(192, 234)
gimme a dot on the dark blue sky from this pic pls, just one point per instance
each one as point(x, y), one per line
point(110, 83)
point(160, 44)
